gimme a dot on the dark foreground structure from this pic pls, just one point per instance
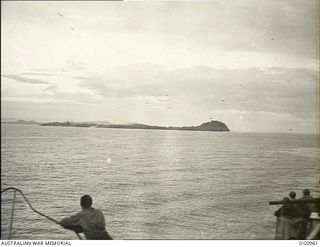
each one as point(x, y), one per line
point(294, 221)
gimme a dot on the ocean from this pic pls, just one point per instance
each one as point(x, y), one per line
point(153, 184)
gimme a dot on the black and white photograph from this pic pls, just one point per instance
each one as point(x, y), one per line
point(160, 120)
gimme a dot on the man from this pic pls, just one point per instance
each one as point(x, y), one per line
point(306, 195)
point(286, 219)
point(90, 221)
point(305, 210)
point(292, 195)
point(287, 210)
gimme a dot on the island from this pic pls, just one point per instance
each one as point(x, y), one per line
point(70, 124)
point(31, 122)
point(209, 126)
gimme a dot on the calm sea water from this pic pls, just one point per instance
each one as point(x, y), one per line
point(154, 184)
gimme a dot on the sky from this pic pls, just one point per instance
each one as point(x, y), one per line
point(253, 65)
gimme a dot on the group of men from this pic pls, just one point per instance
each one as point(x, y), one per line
point(298, 214)
point(91, 221)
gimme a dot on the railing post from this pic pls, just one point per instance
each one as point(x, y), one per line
point(12, 212)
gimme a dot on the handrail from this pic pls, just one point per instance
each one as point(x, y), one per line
point(33, 209)
point(297, 201)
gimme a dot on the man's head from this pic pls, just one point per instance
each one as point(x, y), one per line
point(306, 192)
point(86, 201)
point(292, 195)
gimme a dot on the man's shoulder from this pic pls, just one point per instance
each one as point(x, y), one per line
point(98, 210)
point(307, 197)
point(92, 210)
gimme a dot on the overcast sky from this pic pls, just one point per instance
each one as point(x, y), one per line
point(252, 64)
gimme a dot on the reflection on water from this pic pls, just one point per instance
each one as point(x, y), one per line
point(154, 184)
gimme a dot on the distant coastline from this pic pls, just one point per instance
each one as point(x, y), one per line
point(20, 122)
point(208, 126)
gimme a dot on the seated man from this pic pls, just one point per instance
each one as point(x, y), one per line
point(288, 220)
point(287, 210)
point(90, 221)
point(305, 210)
point(310, 206)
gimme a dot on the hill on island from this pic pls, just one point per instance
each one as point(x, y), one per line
point(20, 122)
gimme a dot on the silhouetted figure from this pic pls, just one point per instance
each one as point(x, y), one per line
point(306, 195)
point(292, 195)
point(90, 221)
point(287, 221)
point(288, 210)
point(305, 210)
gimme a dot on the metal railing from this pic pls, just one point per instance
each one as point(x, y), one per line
point(15, 190)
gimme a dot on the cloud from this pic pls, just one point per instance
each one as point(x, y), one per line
point(152, 86)
point(19, 78)
point(238, 34)
point(83, 58)
point(289, 27)
point(262, 121)
point(51, 88)
point(275, 89)
point(56, 97)
point(45, 87)
point(38, 74)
